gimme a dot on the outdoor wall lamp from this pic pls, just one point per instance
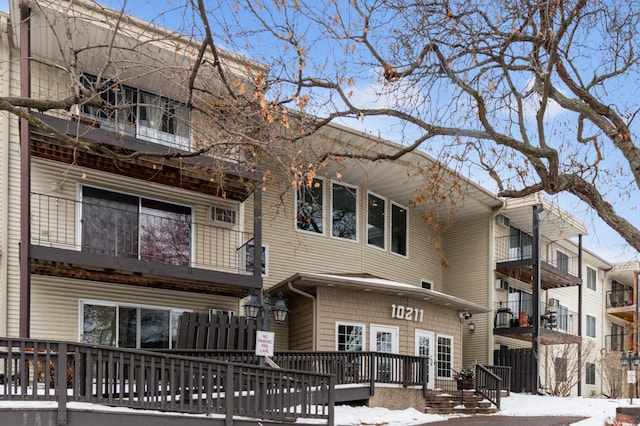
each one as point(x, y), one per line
point(254, 307)
point(630, 359)
point(472, 327)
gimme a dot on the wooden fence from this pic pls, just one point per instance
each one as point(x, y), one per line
point(520, 361)
point(62, 372)
point(204, 331)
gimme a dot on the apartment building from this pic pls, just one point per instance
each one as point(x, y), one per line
point(365, 254)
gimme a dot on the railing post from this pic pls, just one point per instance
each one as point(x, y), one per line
point(229, 397)
point(332, 401)
point(425, 375)
point(61, 376)
point(372, 373)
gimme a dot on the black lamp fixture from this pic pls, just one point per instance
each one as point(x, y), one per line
point(253, 308)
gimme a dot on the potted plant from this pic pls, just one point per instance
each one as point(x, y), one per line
point(464, 378)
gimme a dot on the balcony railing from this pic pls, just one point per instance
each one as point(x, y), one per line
point(616, 342)
point(519, 314)
point(508, 251)
point(163, 238)
point(619, 298)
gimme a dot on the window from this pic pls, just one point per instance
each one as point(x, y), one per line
point(590, 374)
point(562, 261)
point(249, 259)
point(124, 225)
point(398, 229)
point(563, 318)
point(560, 369)
point(445, 356)
point(349, 337)
point(591, 326)
point(344, 214)
point(309, 202)
point(128, 326)
point(142, 114)
point(520, 244)
point(520, 301)
point(591, 278)
point(376, 208)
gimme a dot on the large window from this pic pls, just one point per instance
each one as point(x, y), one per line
point(344, 201)
point(142, 114)
point(376, 209)
point(563, 318)
point(520, 244)
point(398, 229)
point(591, 326)
point(590, 374)
point(129, 326)
point(591, 278)
point(562, 261)
point(309, 202)
point(349, 337)
point(520, 301)
point(445, 356)
point(124, 225)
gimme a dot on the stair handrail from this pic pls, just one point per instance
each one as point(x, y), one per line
point(488, 384)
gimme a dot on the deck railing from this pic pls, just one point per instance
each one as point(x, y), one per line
point(552, 317)
point(616, 342)
point(163, 238)
point(348, 367)
point(619, 298)
point(507, 250)
point(63, 372)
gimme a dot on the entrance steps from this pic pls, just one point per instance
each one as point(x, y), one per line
point(439, 401)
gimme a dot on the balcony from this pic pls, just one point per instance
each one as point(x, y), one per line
point(616, 342)
point(620, 304)
point(516, 260)
point(557, 324)
point(168, 250)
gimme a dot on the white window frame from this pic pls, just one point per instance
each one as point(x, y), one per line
point(323, 209)
point(406, 227)
point(385, 221)
point(357, 204)
point(586, 375)
point(351, 324)
point(437, 355)
point(595, 278)
point(595, 326)
point(117, 305)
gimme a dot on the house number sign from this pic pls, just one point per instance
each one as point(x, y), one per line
point(407, 313)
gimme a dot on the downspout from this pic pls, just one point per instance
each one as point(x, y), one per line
point(25, 171)
point(314, 313)
point(4, 178)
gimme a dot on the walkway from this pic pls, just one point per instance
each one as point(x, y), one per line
point(508, 420)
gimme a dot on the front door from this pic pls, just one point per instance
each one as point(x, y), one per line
point(384, 338)
point(425, 348)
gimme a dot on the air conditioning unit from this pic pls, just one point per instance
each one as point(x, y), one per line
point(553, 305)
point(223, 215)
point(221, 312)
point(502, 220)
point(502, 284)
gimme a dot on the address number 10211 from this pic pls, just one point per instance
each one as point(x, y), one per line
point(407, 313)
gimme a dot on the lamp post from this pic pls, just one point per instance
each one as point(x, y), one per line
point(254, 307)
point(630, 359)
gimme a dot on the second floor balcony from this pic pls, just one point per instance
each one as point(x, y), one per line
point(146, 243)
point(515, 258)
point(515, 320)
point(620, 303)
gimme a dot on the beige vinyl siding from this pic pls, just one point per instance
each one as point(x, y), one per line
point(55, 302)
point(466, 247)
point(292, 251)
point(10, 284)
point(301, 323)
point(339, 305)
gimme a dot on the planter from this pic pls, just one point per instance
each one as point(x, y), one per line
point(465, 384)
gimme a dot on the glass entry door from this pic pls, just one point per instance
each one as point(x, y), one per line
point(425, 348)
point(384, 339)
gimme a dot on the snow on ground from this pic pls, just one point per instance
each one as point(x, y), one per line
point(597, 409)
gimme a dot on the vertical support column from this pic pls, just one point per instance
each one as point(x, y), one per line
point(25, 172)
point(535, 347)
point(580, 315)
point(257, 229)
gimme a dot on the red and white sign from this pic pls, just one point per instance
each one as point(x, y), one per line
point(264, 343)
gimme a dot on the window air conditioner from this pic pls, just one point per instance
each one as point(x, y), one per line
point(502, 284)
point(221, 312)
point(502, 220)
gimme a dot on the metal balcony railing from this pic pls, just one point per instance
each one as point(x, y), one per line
point(510, 249)
point(519, 314)
point(166, 238)
point(616, 342)
point(619, 298)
